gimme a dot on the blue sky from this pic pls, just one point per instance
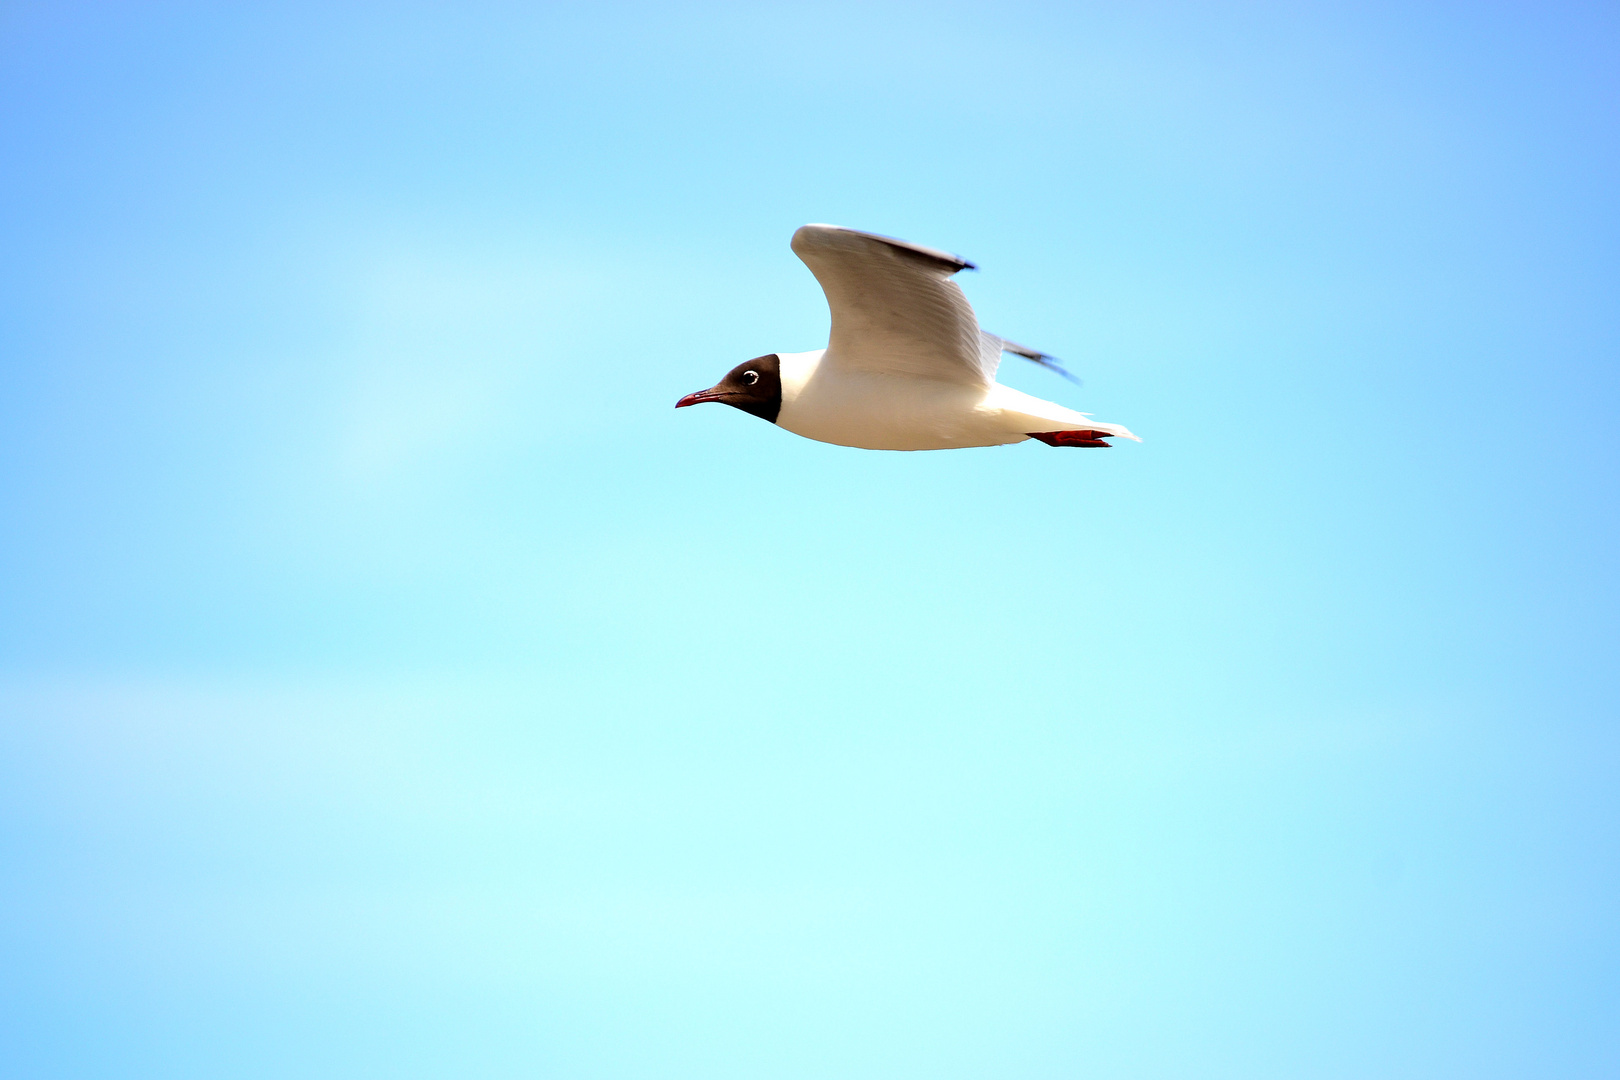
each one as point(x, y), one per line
point(392, 683)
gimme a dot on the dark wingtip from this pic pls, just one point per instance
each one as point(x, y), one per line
point(1035, 356)
point(1052, 363)
point(1066, 373)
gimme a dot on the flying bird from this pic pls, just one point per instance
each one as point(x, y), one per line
point(906, 366)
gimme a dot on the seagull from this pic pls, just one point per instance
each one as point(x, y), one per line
point(906, 366)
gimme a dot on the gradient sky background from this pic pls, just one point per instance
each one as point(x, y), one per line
point(394, 685)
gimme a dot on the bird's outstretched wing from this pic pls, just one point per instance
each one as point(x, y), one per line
point(895, 308)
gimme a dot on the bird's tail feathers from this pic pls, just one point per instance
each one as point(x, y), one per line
point(1111, 430)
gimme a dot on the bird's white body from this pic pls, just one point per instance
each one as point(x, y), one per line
point(879, 410)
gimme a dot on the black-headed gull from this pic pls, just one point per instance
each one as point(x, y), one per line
point(906, 366)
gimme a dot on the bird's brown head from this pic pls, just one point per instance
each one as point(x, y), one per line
point(754, 387)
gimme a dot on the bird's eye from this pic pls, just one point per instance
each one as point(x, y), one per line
point(750, 377)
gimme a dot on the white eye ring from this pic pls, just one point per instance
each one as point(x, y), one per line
point(750, 377)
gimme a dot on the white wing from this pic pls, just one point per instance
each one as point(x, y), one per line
point(895, 308)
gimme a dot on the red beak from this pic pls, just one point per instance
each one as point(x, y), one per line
point(711, 394)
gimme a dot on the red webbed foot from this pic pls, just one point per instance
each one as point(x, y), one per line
point(1071, 438)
